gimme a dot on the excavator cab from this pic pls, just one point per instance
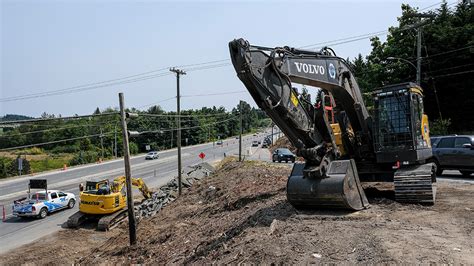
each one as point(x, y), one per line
point(401, 132)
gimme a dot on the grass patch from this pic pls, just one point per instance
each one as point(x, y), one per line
point(49, 163)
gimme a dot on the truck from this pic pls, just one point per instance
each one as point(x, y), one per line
point(40, 203)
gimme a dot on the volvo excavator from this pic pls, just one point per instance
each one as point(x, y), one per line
point(391, 144)
point(105, 201)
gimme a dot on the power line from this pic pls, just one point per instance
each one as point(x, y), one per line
point(453, 74)
point(208, 67)
point(450, 51)
point(348, 39)
point(55, 118)
point(155, 103)
point(106, 83)
point(46, 130)
point(186, 128)
point(213, 94)
point(449, 68)
point(52, 93)
point(54, 141)
point(194, 115)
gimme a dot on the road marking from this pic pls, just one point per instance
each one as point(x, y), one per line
point(89, 177)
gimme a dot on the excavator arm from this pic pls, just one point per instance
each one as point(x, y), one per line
point(268, 75)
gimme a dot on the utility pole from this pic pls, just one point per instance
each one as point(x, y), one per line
point(132, 230)
point(272, 132)
point(178, 112)
point(115, 140)
point(171, 141)
point(418, 27)
point(240, 131)
point(418, 56)
point(101, 144)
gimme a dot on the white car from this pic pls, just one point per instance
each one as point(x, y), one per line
point(39, 204)
point(152, 155)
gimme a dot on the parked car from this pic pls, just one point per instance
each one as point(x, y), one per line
point(453, 153)
point(219, 142)
point(152, 155)
point(254, 143)
point(283, 154)
point(40, 204)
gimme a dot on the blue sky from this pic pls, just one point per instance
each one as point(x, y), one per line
point(52, 45)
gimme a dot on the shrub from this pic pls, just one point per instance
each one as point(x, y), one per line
point(5, 166)
point(84, 157)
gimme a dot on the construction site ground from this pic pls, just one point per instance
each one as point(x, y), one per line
point(240, 215)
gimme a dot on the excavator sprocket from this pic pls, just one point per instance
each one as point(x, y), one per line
point(106, 222)
point(415, 184)
point(340, 189)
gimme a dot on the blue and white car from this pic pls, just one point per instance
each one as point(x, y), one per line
point(40, 204)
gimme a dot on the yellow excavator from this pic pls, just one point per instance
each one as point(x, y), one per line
point(105, 201)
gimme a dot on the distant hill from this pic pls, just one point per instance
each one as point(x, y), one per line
point(12, 117)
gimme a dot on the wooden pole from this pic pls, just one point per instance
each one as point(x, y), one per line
point(128, 174)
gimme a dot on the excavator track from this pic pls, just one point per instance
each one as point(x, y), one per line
point(108, 221)
point(76, 219)
point(415, 184)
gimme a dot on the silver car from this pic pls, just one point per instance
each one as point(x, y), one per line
point(152, 155)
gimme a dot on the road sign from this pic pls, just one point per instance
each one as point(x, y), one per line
point(147, 147)
point(202, 155)
point(20, 164)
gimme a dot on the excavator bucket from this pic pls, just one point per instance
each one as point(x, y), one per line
point(340, 189)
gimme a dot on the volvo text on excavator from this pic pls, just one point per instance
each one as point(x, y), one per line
point(105, 201)
point(390, 145)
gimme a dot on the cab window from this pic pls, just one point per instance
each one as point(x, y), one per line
point(54, 195)
point(61, 194)
point(461, 141)
point(446, 143)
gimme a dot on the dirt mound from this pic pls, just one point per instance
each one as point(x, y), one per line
point(283, 142)
point(240, 214)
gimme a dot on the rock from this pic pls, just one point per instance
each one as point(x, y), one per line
point(273, 227)
point(186, 183)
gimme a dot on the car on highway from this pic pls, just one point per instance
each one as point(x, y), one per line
point(255, 143)
point(152, 155)
point(40, 204)
point(283, 154)
point(453, 153)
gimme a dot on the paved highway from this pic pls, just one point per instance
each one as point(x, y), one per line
point(15, 232)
